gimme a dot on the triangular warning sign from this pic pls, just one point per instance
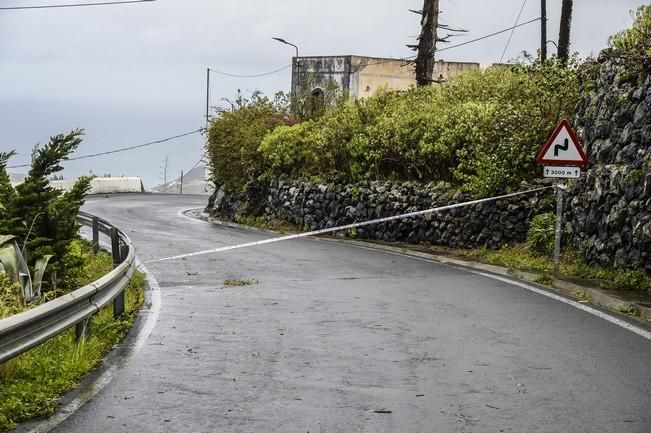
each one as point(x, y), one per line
point(563, 148)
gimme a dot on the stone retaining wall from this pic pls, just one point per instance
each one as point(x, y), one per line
point(609, 211)
point(311, 206)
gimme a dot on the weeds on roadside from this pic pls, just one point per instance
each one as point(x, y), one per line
point(31, 384)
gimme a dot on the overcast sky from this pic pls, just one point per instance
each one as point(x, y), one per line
point(131, 74)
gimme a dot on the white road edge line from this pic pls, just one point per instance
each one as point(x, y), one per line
point(150, 320)
point(586, 308)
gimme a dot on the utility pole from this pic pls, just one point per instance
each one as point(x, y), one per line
point(164, 169)
point(207, 97)
point(426, 47)
point(543, 31)
point(564, 33)
point(181, 192)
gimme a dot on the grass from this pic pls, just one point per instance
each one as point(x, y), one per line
point(266, 223)
point(572, 265)
point(239, 283)
point(32, 383)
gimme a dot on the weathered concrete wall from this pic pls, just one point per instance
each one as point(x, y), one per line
point(311, 206)
point(105, 185)
point(370, 74)
point(609, 214)
point(363, 76)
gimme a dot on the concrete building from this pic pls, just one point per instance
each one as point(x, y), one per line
point(360, 76)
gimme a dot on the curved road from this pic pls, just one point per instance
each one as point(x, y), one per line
point(334, 338)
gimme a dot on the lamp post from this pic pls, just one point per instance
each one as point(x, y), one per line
point(298, 65)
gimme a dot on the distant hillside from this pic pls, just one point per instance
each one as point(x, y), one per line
point(194, 182)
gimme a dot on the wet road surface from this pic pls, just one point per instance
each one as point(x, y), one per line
point(332, 338)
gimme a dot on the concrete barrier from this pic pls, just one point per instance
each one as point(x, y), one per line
point(105, 185)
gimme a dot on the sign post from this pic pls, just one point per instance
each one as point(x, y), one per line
point(559, 225)
point(562, 158)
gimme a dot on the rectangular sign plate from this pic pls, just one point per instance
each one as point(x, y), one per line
point(562, 172)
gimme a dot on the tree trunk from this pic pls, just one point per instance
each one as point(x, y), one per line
point(427, 43)
point(564, 34)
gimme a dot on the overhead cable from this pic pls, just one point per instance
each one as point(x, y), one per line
point(489, 36)
point(123, 149)
point(74, 5)
point(517, 20)
point(264, 74)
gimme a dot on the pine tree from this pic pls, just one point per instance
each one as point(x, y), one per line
point(43, 217)
point(7, 192)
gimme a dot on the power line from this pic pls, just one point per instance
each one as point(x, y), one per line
point(124, 149)
point(264, 74)
point(72, 5)
point(489, 36)
point(410, 58)
point(513, 31)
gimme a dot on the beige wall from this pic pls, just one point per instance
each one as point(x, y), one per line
point(364, 76)
point(369, 74)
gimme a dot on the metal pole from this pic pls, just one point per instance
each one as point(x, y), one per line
point(543, 31)
point(559, 224)
point(298, 72)
point(207, 96)
point(181, 192)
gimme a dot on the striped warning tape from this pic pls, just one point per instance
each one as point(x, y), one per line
point(347, 226)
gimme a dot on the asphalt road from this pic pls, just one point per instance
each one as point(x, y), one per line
point(334, 338)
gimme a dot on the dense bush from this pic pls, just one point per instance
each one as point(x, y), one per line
point(234, 137)
point(634, 45)
point(481, 131)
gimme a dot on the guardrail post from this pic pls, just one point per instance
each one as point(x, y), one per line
point(82, 330)
point(115, 247)
point(117, 250)
point(95, 235)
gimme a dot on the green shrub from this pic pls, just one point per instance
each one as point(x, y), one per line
point(234, 138)
point(481, 131)
point(541, 233)
point(634, 45)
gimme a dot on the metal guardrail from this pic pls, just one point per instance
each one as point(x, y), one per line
point(28, 329)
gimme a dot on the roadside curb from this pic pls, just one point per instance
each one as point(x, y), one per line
point(574, 291)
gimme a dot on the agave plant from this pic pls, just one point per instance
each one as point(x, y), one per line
point(12, 262)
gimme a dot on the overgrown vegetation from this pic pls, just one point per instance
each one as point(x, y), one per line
point(38, 222)
point(572, 265)
point(480, 132)
point(31, 384)
point(633, 46)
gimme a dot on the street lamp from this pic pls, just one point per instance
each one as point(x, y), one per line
point(298, 65)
